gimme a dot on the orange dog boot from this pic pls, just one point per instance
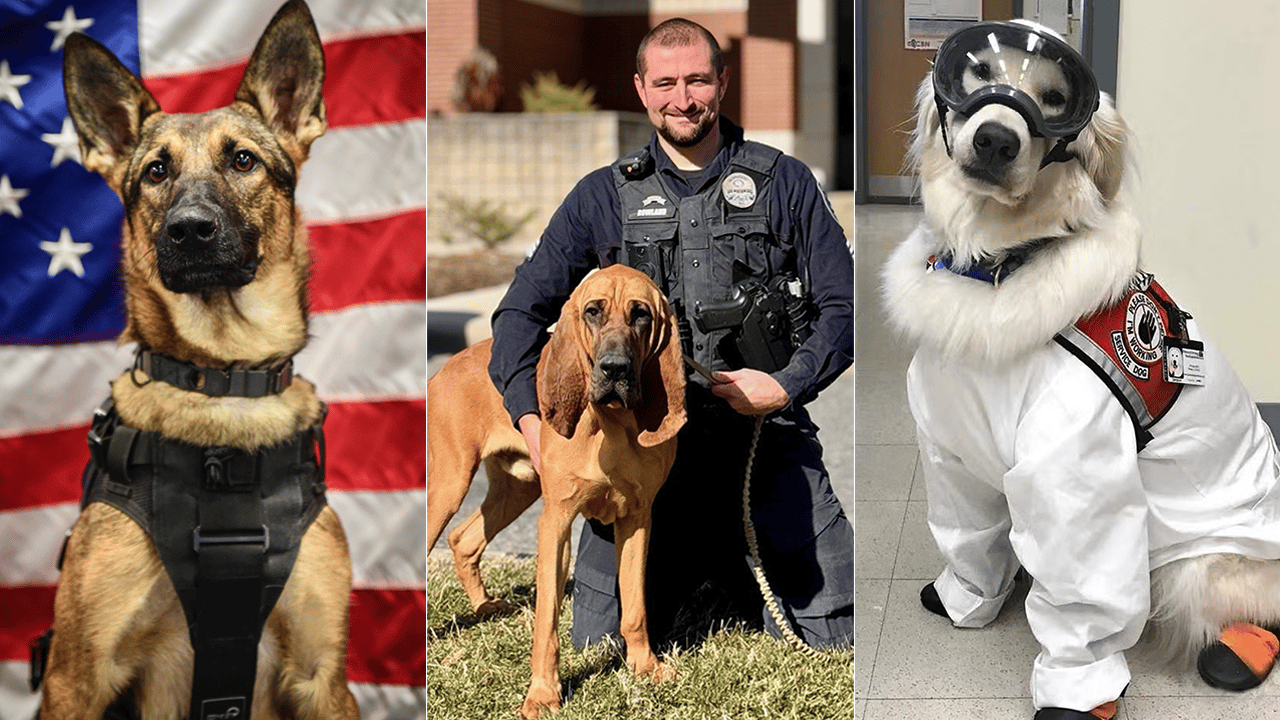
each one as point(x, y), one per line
point(1240, 659)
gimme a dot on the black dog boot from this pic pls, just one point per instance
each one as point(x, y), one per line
point(1105, 711)
point(1240, 659)
point(931, 602)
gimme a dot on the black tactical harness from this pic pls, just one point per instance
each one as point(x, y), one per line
point(226, 523)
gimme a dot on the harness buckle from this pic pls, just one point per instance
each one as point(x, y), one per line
point(39, 649)
point(218, 471)
point(262, 537)
point(100, 431)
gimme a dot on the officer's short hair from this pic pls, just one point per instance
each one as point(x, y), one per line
point(678, 32)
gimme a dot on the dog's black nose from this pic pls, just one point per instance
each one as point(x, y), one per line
point(995, 145)
point(615, 367)
point(191, 224)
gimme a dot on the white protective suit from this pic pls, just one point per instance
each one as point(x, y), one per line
point(1030, 460)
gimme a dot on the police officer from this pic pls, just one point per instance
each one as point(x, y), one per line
point(726, 225)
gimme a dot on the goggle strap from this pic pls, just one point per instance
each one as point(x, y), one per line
point(1059, 152)
point(942, 121)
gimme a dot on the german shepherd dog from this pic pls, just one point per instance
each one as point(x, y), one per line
point(215, 266)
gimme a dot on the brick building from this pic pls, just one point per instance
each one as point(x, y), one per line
point(782, 56)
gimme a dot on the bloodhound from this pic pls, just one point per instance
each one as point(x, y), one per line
point(611, 395)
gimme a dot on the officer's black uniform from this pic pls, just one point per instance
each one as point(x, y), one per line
point(786, 228)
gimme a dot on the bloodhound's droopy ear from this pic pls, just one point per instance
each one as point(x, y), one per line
point(662, 413)
point(563, 374)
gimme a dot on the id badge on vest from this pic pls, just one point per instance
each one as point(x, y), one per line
point(1184, 361)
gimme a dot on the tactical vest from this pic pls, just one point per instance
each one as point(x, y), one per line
point(700, 247)
point(1128, 346)
point(227, 525)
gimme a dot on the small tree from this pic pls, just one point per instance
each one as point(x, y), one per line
point(487, 221)
point(548, 94)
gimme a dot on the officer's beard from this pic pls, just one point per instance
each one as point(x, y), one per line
point(694, 136)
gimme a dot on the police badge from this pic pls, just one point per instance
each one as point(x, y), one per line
point(739, 190)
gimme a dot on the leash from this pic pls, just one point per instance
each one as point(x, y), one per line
point(749, 528)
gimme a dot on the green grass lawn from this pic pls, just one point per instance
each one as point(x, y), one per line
point(478, 669)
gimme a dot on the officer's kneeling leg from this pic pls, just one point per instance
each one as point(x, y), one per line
point(815, 587)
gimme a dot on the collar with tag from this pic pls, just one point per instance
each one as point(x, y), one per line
point(212, 381)
point(992, 273)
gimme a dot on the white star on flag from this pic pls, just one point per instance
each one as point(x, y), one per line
point(9, 197)
point(9, 85)
point(64, 27)
point(66, 145)
point(65, 254)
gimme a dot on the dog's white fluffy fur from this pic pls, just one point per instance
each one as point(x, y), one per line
point(1193, 599)
point(1082, 204)
point(1085, 207)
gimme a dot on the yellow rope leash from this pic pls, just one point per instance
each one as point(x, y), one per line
point(757, 567)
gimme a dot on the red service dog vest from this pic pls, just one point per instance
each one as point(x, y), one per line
point(1136, 347)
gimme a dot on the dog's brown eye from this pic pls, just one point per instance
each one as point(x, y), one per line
point(245, 161)
point(591, 312)
point(982, 71)
point(639, 314)
point(1053, 98)
point(157, 172)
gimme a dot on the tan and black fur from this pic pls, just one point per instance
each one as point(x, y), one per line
point(216, 263)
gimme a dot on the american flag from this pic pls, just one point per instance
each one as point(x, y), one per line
point(363, 195)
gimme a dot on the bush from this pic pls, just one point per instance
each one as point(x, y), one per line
point(487, 221)
point(547, 94)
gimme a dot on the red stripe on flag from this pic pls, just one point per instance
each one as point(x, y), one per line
point(377, 445)
point(42, 468)
point(371, 446)
point(27, 613)
point(382, 260)
point(379, 79)
point(388, 637)
point(376, 79)
point(388, 631)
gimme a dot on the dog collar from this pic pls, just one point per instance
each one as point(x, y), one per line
point(989, 272)
point(211, 381)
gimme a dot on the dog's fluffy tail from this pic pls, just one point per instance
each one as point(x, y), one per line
point(1193, 599)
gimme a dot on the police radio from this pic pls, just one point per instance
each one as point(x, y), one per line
point(636, 165)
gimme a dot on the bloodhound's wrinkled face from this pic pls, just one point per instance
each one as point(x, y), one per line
point(621, 330)
point(616, 346)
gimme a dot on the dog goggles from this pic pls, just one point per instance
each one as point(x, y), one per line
point(1023, 67)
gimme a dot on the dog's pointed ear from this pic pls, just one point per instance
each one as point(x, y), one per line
point(663, 413)
point(562, 375)
point(1103, 148)
point(108, 104)
point(284, 78)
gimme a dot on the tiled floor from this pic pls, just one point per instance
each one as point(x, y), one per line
point(913, 665)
